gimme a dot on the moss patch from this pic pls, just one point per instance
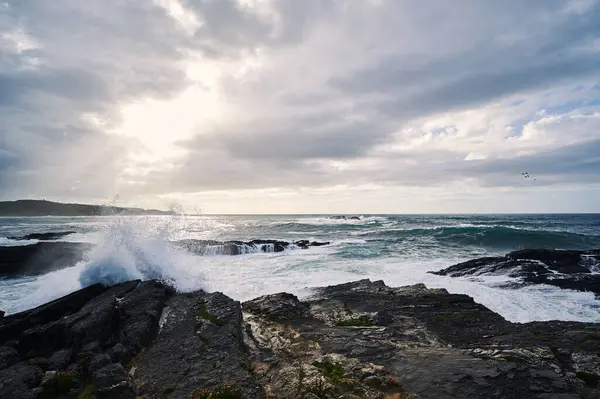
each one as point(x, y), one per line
point(591, 380)
point(169, 389)
point(204, 314)
point(84, 362)
point(225, 392)
point(591, 337)
point(88, 391)
point(249, 367)
point(40, 362)
point(333, 372)
point(362, 321)
point(58, 386)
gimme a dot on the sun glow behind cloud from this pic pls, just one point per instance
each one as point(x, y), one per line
point(160, 125)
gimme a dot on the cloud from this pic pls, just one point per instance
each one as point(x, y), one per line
point(175, 98)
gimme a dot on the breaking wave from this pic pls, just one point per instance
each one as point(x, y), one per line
point(140, 248)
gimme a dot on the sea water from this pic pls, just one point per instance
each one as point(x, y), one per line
point(399, 249)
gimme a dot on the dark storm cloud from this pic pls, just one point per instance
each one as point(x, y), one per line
point(485, 71)
point(480, 88)
point(316, 137)
point(577, 163)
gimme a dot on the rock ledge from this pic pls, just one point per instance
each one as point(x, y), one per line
point(356, 340)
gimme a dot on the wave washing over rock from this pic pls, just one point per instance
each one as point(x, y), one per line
point(355, 340)
point(574, 270)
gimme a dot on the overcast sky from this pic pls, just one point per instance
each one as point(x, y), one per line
point(311, 106)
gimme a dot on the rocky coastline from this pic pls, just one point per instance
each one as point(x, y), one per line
point(357, 340)
point(574, 270)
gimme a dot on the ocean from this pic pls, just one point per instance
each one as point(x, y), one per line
point(399, 249)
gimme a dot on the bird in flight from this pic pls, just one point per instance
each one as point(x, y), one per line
point(526, 175)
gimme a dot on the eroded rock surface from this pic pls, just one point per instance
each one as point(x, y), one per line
point(356, 340)
point(417, 342)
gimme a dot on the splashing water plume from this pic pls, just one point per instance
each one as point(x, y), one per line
point(139, 248)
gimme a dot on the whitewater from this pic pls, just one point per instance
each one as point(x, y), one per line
point(398, 249)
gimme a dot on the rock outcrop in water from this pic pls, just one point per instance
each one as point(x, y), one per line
point(45, 257)
point(575, 270)
point(344, 217)
point(40, 258)
point(43, 236)
point(211, 247)
point(355, 340)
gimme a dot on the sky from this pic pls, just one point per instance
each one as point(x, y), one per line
point(312, 106)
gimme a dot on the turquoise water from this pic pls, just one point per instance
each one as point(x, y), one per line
point(399, 249)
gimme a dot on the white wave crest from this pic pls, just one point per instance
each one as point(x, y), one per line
point(139, 248)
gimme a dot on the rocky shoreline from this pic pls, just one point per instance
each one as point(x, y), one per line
point(356, 340)
point(574, 270)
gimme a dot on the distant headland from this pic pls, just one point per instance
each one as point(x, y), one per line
point(49, 208)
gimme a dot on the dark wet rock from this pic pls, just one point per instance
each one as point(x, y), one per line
point(12, 326)
point(564, 269)
point(44, 236)
point(211, 247)
point(61, 359)
point(560, 261)
point(305, 244)
point(361, 339)
point(119, 354)
point(8, 356)
point(19, 380)
point(94, 323)
point(81, 334)
point(200, 347)
point(2, 313)
point(98, 362)
point(112, 381)
point(139, 313)
point(279, 306)
point(40, 258)
point(344, 217)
